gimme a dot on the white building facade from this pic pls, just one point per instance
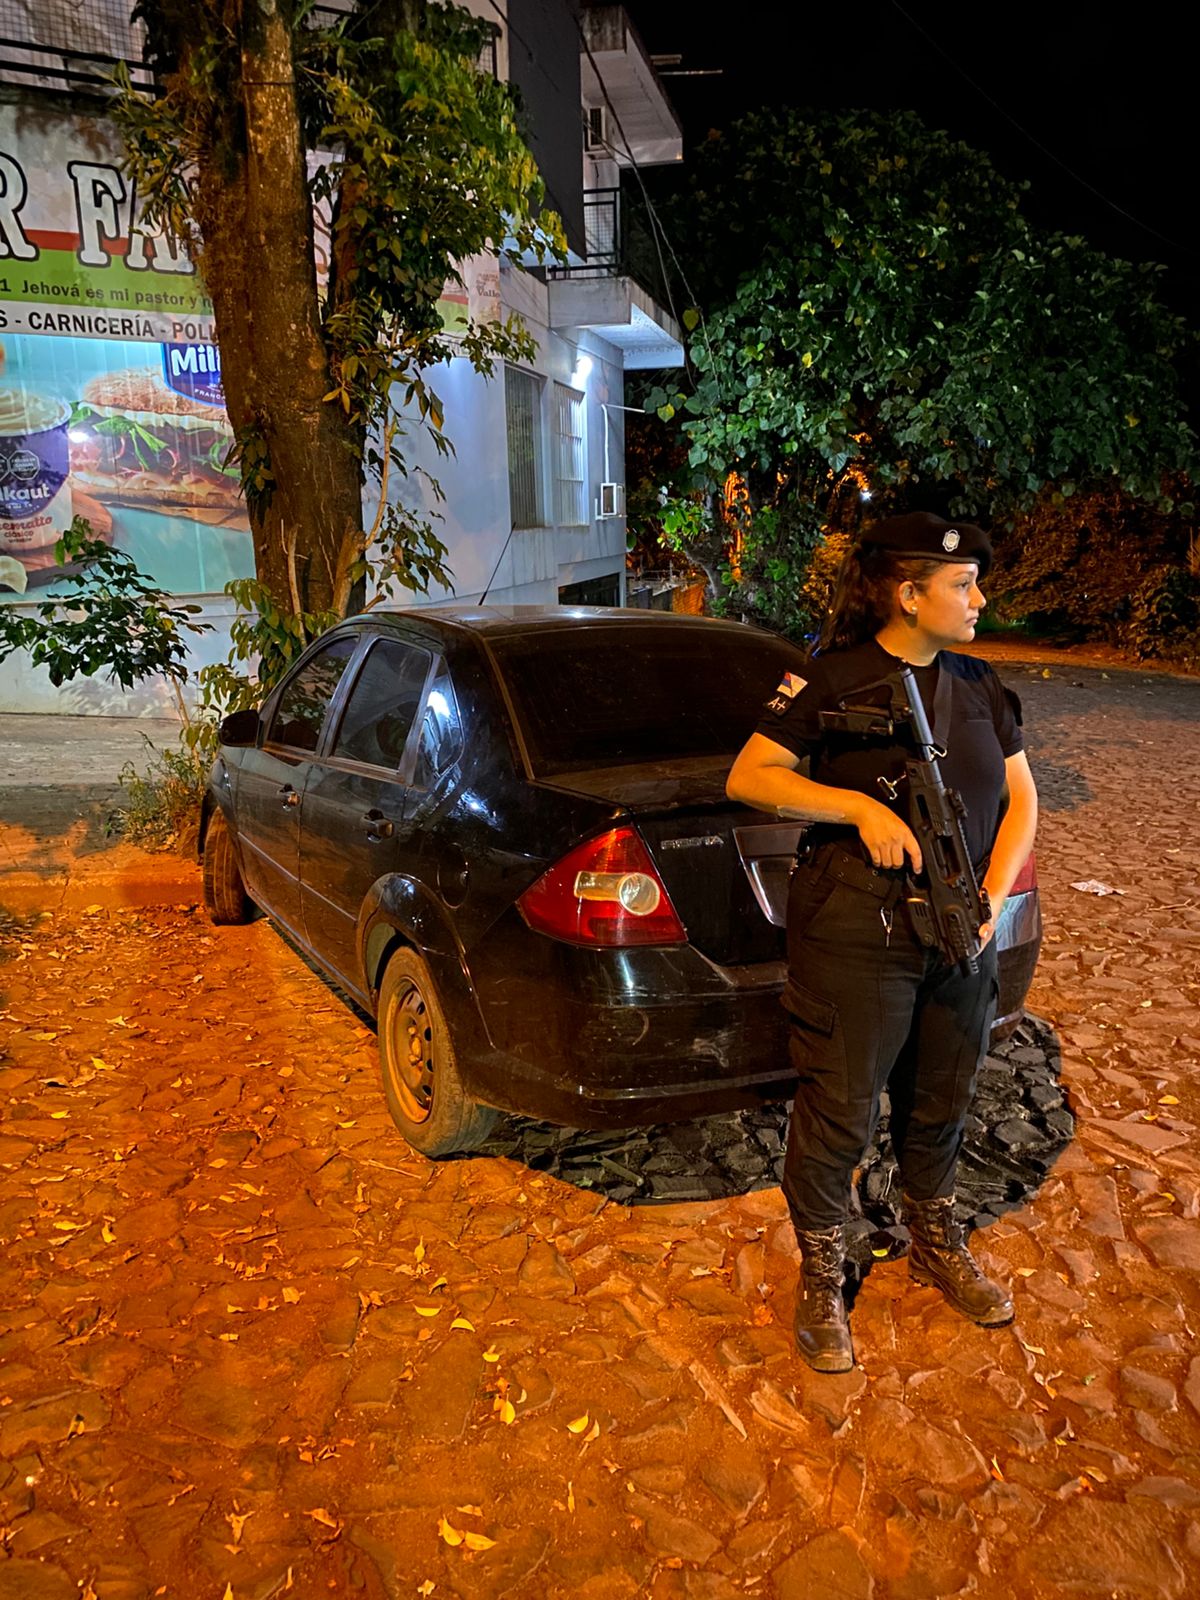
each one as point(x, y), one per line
point(104, 333)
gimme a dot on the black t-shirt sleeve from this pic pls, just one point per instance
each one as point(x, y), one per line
point(1006, 714)
point(790, 716)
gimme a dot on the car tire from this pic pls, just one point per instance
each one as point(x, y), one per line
point(225, 896)
point(421, 1080)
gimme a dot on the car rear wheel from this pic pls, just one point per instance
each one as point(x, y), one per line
point(224, 892)
point(421, 1080)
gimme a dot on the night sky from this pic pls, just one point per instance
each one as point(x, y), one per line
point(1042, 88)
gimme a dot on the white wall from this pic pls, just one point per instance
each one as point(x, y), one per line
point(530, 566)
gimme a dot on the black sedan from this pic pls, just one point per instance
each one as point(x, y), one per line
point(505, 832)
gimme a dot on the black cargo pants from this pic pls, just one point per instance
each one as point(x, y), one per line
point(872, 1010)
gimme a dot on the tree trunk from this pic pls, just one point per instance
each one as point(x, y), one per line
point(253, 208)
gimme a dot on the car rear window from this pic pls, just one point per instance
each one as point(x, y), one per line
point(612, 696)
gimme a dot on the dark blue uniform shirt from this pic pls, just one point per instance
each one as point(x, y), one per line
point(971, 713)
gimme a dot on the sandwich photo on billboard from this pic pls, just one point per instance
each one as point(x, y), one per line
point(134, 441)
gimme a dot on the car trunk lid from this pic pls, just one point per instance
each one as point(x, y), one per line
point(724, 867)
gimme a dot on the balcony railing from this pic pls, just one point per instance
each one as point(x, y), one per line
point(57, 46)
point(53, 45)
point(619, 242)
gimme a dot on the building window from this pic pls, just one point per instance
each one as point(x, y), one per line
point(523, 409)
point(570, 459)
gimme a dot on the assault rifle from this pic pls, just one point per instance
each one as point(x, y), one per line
point(947, 906)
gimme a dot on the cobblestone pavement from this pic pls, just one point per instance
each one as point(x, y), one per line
point(253, 1346)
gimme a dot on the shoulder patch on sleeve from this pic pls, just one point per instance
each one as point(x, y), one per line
point(780, 702)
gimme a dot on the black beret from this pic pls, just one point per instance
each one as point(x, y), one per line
point(920, 533)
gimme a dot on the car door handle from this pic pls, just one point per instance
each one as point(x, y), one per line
point(289, 796)
point(378, 826)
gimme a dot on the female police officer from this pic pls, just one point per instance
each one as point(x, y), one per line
point(870, 1005)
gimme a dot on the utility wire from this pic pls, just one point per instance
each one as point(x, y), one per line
point(1037, 143)
point(657, 229)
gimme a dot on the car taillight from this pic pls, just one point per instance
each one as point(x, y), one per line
point(1026, 879)
point(605, 892)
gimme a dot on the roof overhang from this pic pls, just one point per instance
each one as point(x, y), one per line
point(647, 119)
point(621, 312)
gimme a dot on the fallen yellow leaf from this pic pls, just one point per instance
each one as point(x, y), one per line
point(78, 1425)
point(477, 1541)
point(291, 1296)
point(428, 1311)
point(491, 1355)
point(1169, 1100)
point(228, 1595)
point(319, 1514)
point(590, 1438)
point(237, 1521)
point(570, 1497)
point(462, 1322)
point(508, 1412)
point(106, 1232)
point(57, 1116)
point(449, 1534)
point(470, 1511)
point(579, 1424)
point(419, 1252)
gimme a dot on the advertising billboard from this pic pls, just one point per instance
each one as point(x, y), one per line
point(111, 405)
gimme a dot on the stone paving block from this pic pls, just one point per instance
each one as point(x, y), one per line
point(829, 1565)
point(1096, 1547)
point(32, 1580)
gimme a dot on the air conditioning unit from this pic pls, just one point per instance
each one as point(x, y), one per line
point(612, 499)
point(595, 130)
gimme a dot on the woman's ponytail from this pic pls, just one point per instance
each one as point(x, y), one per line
point(864, 594)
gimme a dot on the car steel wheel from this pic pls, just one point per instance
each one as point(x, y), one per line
point(419, 1065)
point(413, 1026)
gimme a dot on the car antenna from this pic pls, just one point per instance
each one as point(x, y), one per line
point(487, 586)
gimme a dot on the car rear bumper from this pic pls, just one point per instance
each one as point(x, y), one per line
point(609, 1038)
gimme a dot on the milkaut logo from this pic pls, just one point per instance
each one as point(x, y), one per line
point(194, 370)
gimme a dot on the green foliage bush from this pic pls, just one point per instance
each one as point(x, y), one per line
point(161, 810)
point(884, 330)
point(1102, 565)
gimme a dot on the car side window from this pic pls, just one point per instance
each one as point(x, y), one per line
point(383, 705)
point(441, 733)
point(306, 696)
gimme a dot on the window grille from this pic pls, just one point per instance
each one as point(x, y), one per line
point(570, 464)
point(523, 409)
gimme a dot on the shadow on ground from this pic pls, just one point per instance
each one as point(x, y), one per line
point(40, 817)
point(1019, 1123)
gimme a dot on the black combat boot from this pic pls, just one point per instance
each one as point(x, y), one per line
point(822, 1331)
point(939, 1256)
